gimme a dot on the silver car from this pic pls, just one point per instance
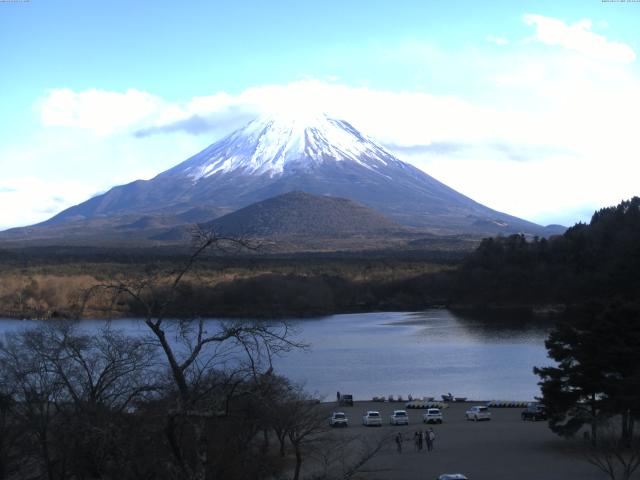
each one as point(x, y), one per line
point(338, 419)
point(478, 412)
point(372, 418)
point(399, 417)
point(433, 415)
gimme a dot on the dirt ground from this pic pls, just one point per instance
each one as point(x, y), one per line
point(503, 448)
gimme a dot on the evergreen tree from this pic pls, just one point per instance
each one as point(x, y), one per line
point(598, 370)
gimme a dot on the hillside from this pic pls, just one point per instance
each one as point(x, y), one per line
point(303, 214)
point(299, 221)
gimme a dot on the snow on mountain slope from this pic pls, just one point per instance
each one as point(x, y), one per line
point(273, 145)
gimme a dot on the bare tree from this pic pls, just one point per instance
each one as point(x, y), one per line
point(70, 392)
point(108, 369)
point(37, 392)
point(616, 457)
point(346, 456)
point(9, 431)
point(302, 420)
point(306, 422)
point(193, 347)
point(276, 407)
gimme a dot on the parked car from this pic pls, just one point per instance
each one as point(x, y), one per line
point(452, 476)
point(346, 400)
point(372, 418)
point(534, 412)
point(338, 419)
point(433, 415)
point(478, 412)
point(399, 417)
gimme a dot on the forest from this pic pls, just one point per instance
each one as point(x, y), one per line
point(595, 261)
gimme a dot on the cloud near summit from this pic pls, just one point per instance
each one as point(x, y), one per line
point(402, 118)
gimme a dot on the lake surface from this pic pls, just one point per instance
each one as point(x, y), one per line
point(424, 353)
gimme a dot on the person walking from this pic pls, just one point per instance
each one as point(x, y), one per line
point(416, 441)
point(431, 437)
point(338, 396)
point(399, 442)
point(420, 440)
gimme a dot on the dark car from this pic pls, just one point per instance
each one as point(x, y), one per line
point(534, 412)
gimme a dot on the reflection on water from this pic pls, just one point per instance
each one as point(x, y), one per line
point(442, 323)
point(424, 353)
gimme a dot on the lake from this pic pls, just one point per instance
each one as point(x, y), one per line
point(422, 353)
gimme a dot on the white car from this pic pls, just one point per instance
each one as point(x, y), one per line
point(338, 419)
point(452, 476)
point(433, 415)
point(478, 412)
point(399, 417)
point(372, 418)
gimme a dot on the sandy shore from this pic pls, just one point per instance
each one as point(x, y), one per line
point(503, 448)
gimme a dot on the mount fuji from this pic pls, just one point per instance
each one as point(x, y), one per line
point(274, 155)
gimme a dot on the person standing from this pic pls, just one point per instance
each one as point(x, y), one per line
point(416, 441)
point(420, 440)
point(431, 437)
point(338, 396)
point(399, 442)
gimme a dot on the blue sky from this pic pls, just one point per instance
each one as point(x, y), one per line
point(527, 107)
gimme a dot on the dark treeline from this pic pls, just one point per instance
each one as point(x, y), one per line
point(599, 260)
point(56, 256)
point(275, 295)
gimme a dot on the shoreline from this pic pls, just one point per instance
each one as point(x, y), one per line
point(494, 312)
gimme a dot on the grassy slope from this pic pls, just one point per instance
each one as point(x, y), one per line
point(304, 284)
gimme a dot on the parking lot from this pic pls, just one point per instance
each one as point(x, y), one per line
point(503, 448)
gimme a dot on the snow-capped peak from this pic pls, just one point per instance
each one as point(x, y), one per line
point(279, 143)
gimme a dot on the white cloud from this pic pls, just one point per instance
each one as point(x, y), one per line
point(102, 111)
point(38, 199)
point(418, 118)
point(579, 37)
point(497, 40)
